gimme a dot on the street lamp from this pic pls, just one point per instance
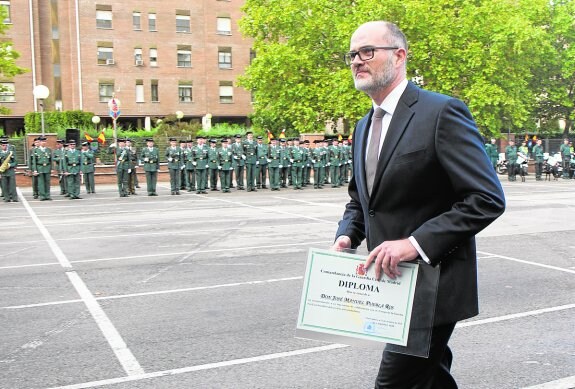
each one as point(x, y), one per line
point(179, 115)
point(96, 121)
point(41, 92)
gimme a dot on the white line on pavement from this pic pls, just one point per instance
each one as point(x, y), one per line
point(206, 366)
point(529, 262)
point(125, 357)
point(322, 242)
point(182, 290)
point(311, 203)
point(514, 316)
point(564, 383)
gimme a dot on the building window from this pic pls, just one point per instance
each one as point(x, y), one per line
point(138, 57)
point(6, 5)
point(153, 57)
point(225, 57)
point(154, 91)
point(140, 91)
point(152, 22)
point(7, 91)
point(105, 55)
point(224, 26)
point(226, 92)
point(106, 89)
point(103, 16)
point(137, 20)
point(185, 93)
point(183, 21)
point(184, 56)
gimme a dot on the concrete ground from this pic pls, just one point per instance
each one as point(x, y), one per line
point(202, 291)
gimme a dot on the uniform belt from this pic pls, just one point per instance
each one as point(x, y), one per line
point(251, 154)
point(213, 160)
point(44, 164)
point(298, 161)
point(72, 164)
point(176, 160)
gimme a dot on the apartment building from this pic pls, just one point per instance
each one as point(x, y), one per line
point(158, 57)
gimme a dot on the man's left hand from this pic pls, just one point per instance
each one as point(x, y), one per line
point(388, 255)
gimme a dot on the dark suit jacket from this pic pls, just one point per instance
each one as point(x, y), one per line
point(434, 182)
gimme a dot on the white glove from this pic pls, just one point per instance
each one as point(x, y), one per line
point(194, 163)
point(129, 171)
point(280, 166)
point(313, 161)
point(170, 159)
point(243, 157)
point(291, 160)
point(219, 168)
point(269, 160)
point(349, 161)
point(182, 167)
point(328, 164)
point(207, 166)
point(146, 159)
point(235, 157)
point(257, 162)
point(113, 145)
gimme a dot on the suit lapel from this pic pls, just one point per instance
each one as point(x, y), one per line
point(361, 137)
point(401, 118)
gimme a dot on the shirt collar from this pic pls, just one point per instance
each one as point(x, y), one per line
point(392, 99)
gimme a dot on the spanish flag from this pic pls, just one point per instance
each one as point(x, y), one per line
point(88, 137)
point(283, 134)
point(350, 137)
point(101, 138)
point(339, 137)
point(270, 136)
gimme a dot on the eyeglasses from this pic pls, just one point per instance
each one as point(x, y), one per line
point(365, 53)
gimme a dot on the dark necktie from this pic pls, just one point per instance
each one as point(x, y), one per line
point(373, 149)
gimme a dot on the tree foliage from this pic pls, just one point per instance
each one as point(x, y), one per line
point(8, 57)
point(492, 54)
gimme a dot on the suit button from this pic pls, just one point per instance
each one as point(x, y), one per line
point(371, 213)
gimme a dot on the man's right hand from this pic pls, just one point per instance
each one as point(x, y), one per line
point(341, 243)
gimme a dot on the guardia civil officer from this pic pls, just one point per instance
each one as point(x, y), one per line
point(200, 155)
point(72, 168)
point(511, 157)
point(174, 157)
point(250, 147)
point(213, 165)
point(261, 163)
point(539, 157)
point(239, 161)
point(8, 176)
point(88, 167)
point(42, 168)
point(274, 161)
point(150, 157)
point(57, 159)
point(123, 167)
point(225, 160)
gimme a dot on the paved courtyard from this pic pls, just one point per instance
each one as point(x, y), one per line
point(202, 291)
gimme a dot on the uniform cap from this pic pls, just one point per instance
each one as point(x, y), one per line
point(173, 140)
point(73, 142)
point(282, 140)
point(128, 140)
point(249, 132)
point(149, 139)
point(260, 137)
point(41, 138)
point(60, 141)
point(213, 141)
point(4, 141)
point(238, 136)
point(85, 143)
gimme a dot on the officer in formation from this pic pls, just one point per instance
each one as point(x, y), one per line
point(41, 168)
point(262, 152)
point(190, 170)
point(318, 160)
point(174, 157)
point(35, 188)
point(213, 165)
point(298, 159)
point(239, 161)
point(565, 151)
point(132, 175)
point(511, 157)
point(8, 171)
point(274, 164)
point(123, 167)
point(72, 169)
point(88, 167)
point(492, 152)
point(150, 158)
point(200, 162)
point(183, 180)
point(250, 148)
point(225, 165)
point(57, 159)
point(538, 154)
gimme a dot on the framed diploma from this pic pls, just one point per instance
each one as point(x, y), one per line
point(343, 301)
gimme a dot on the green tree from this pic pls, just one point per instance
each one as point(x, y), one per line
point(484, 52)
point(557, 77)
point(8, 57)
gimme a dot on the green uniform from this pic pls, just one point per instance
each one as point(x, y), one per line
point(35, 189)
point(42, 169)
point(565, 151)
point(345, 163)
point(57, 159)
point(297, 159)
point(175, 164)
point(123, 170)
point(274, 157)
point(250, 148)
point(225, 158)
point(511, 157)
point(334, 165)
point(150, 157)
point(307, 166)
point(72, 162)
point(132, 176)
point(261, 165)
point(239, 163)
point(318, 161)
point(190, 170)
point(88, 169)
point(284, 165)
point(539, 157)
point(492, 153)
point(8, 177)
point(200, 153)
point(213, 164)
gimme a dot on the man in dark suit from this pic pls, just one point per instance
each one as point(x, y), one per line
point(422, 188)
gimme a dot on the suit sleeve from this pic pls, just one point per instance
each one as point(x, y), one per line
point(479, 198)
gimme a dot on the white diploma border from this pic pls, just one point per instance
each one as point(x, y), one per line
point(344, 303)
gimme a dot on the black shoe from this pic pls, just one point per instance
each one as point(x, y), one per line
point(178, 192)
point(241, 188)
point(204, 192)
point(173, 193)
point(137, 186)
point(264, 187)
